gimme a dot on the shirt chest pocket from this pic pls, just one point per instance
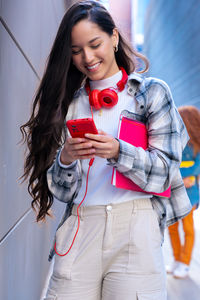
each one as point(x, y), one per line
point(140, 107)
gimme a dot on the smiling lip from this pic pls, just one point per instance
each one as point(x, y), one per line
point(94, 67)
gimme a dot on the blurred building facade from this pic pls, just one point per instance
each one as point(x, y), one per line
point(121, 13)
point(172, 44)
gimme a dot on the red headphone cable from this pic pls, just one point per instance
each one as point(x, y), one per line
point(90, 164)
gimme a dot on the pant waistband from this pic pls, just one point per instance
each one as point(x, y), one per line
point(136, 204)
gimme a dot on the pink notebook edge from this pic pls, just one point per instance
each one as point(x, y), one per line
point(166, 193)
point(136, 188)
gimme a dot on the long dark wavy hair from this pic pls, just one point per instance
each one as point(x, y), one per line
point(191, 117)
point(43, 133)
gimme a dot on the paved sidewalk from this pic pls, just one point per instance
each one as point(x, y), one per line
point(188, 288)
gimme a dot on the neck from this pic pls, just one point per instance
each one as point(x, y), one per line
point(116, 81)
point(107, 82)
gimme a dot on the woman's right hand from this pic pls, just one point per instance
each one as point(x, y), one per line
point(76, 148)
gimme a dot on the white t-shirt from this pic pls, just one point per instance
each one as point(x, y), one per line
point(100, 190)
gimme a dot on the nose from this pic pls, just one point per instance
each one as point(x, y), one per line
point(88, 55)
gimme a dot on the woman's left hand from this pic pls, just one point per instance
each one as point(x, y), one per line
point(106, 146)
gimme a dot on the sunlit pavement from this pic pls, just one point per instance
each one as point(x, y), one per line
point(188, 288)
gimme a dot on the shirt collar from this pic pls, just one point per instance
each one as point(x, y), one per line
point(134, 81)
point(107, 82)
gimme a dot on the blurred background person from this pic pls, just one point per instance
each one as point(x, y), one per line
point(190, 169)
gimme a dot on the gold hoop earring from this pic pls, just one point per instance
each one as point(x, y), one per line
point(116, 48)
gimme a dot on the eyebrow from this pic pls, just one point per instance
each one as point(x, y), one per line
point(91, 41)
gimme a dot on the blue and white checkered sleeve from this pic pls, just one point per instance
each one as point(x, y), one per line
point(64, 182)
point(153, 169)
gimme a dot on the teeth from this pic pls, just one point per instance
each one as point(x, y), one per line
point(93, 67)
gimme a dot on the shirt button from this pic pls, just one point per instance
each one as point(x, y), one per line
point(108, 207)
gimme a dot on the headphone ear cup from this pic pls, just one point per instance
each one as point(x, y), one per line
point(108, 98)
point(94, 99)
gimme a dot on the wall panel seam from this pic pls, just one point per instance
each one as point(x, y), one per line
point(9, 232)
point(19, 47)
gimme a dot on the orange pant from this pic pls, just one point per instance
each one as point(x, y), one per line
point(183, 253)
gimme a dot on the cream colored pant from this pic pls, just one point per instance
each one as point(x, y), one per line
point(117, 255)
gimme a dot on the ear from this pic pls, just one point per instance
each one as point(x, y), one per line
point(115, 37)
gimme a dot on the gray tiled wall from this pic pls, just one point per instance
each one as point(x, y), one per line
point(27, 30)
point(172, 44)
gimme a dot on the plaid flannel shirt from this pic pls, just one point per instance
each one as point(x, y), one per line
point(154, 169)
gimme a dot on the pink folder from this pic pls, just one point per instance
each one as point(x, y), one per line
point(135, 133)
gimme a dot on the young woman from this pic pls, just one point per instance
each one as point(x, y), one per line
point(190, 170)
point(116, 253)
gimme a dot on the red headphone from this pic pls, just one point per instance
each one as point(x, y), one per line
point(107, 97)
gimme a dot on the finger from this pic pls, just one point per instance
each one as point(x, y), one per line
point(87, 145)
point(98, 137)
point(72, 141)
point(107, 145)
point(85, 152)
point(102, 151)
point(101, 146)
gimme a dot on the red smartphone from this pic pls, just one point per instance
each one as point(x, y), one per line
point(79, 127)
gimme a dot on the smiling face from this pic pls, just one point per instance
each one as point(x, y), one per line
point(93, 50)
